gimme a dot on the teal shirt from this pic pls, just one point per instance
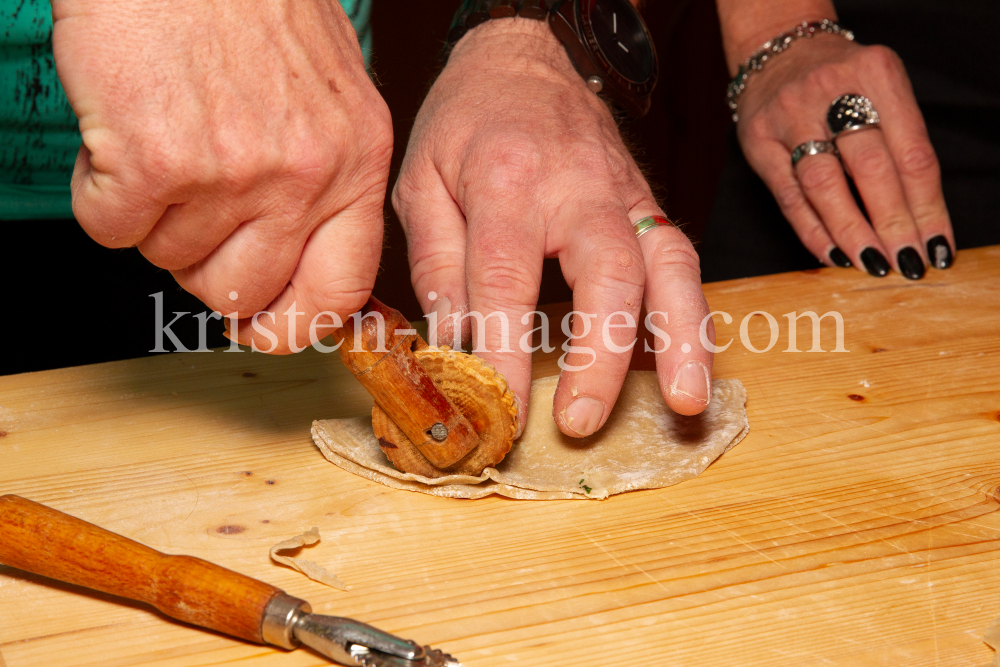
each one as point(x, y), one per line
point(39, 135)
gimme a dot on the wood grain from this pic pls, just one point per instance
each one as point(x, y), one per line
point(856, 524)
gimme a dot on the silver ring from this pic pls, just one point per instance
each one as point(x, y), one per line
point(813, 148)
point(851, 112)
point(851, 129)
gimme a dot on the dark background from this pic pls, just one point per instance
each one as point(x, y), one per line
point(68, 301)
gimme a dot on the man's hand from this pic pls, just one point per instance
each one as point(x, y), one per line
point(512, 160)
point(242, 146)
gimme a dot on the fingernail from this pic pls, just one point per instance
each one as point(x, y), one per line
point(441, 308)
point(692, 380)
point(875, 263)
point(583, 416)
point(838, 257)
point(940, 252)
point(520, 416)
point(911, 264)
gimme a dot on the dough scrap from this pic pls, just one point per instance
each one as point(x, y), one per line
point(314, 571)
point(643, 445)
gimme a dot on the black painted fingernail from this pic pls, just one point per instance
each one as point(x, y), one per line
point(940, 252)
point(910, 263)
point(875, 263)
point(838, 257)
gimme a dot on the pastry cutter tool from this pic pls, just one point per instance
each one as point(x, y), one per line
point(454, 415)
point(377, 346)
point(38, 539)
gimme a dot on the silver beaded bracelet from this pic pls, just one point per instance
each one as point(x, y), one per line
point(772, 47)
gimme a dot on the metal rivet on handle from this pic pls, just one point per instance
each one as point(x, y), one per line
point(439, 432)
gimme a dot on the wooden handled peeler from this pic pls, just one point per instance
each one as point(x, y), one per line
point(38, 539)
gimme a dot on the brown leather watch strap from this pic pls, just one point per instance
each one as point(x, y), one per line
point(475, 12)
point(590, 39)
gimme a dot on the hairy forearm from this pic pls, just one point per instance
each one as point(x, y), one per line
point(746, 24)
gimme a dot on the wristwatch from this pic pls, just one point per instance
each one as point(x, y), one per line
point(606, 40)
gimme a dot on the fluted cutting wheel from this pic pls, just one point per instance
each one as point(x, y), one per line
point(479, 392)
point(432, 658)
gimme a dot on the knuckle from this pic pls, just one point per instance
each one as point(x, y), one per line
point(873, 161)
point(380, 116)
point(817, 175)
point(594, 160)
point(415, 197)
point(403, 192)
point(239, 159)
point(672, 254)
point(164, 167)
point(789, 197)
point(342, 296)
point(311, 160)
point(514, 162)
point(883, 59)
point(436, 264)
point(617, 266)
point(851, 228)
point(789, 99)
point(919, 160)
point(507, 281)
point(238, 168)
point(758, 127)
point(378, 141)
point(825, 77)
point(894, 226)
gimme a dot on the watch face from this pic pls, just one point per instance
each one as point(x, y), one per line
point(621, 37)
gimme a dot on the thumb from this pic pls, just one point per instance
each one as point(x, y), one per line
point(334, 276)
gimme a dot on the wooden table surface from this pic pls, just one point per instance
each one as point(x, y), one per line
point(857, 524)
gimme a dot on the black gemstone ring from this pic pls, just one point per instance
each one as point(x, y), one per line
point(849, 113)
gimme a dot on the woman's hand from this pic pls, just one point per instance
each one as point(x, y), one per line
point(892, 164)
point(511, 160)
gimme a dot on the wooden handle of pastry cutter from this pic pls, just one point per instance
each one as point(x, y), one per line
point(401, 386)
point(38, 539)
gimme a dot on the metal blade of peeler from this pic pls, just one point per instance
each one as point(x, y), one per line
point(351, 642)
